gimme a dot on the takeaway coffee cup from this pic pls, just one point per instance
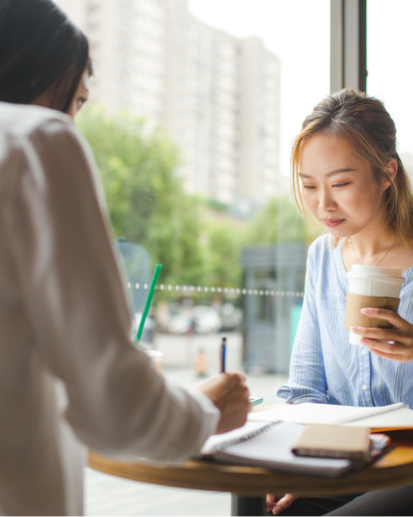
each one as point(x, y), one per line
point(371, 286)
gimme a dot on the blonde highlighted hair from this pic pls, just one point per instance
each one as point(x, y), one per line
point(366, 125)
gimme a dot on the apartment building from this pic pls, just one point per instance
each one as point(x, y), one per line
point(219, 96)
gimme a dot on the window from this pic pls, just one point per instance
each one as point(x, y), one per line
point(217, 91)
point(390, 74)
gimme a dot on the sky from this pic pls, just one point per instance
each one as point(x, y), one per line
point(298, 32)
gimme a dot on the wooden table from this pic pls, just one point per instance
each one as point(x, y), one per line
point(250, 484)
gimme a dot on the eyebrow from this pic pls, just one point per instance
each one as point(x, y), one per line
point(331, 173)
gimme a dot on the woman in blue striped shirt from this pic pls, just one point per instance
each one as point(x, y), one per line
point(348, 175)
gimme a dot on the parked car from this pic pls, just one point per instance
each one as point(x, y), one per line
point(207, 320)
point(200, 319)
point(180, 323)
point(231, 317)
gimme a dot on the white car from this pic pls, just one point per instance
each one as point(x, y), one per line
point(207, 320)
point(202, 319)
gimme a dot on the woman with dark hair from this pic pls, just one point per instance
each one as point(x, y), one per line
point(70, 376)
point(348, 175)
point(40, 51)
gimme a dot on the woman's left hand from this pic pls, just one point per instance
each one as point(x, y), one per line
point(393, 343)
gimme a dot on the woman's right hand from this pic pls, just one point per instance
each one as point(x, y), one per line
point(230, 395)
point(278, 505)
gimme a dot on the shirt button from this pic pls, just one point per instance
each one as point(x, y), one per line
point(364, 351)
point(364, 387)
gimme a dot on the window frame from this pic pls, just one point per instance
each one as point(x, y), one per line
point(348, 44)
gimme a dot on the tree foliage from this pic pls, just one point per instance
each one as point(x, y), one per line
point(148, 205)
point(225, 240)
point(146, 200)
point(279, 221)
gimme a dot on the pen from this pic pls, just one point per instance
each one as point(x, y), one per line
point(158, 268)
point(223, 353)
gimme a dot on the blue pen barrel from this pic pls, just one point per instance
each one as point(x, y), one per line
point(223, 353)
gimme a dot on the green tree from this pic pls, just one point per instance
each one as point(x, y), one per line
point(279, 221)
point(146, 200)
point(148, 205)
point(224, 244)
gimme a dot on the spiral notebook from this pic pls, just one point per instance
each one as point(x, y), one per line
point(270, 445)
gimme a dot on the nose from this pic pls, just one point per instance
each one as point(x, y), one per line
point(326, 200)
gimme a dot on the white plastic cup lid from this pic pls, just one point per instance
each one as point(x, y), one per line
point(368, 271)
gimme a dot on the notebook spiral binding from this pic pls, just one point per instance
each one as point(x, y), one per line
point(243, 438)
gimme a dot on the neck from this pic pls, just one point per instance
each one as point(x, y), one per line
point(371, 252)
point(369, 247)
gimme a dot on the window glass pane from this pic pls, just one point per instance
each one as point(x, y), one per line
point(194, 106)
point(390, 75)
point(193, 111)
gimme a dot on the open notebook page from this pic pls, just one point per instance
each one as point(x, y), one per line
point(392, 416)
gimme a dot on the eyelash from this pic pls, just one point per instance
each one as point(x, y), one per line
point(337, 185)
point(80, 102)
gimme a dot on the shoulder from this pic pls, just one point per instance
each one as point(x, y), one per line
point(45, 146)
point(320, 247)
point(22, 120)
point(320, 256)
point(40, 134)
point(23, 126)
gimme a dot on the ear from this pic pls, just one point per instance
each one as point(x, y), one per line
point(391, 170)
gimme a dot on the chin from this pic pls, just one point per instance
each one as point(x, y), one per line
point(339, 234)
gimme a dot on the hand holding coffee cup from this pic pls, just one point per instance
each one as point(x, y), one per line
point(371, 286)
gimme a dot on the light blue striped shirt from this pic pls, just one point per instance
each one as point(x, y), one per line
point(324, 367)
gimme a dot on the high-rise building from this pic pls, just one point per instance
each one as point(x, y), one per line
point(127, 44)
point(219, 96)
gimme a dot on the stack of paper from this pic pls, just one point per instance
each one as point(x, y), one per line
point(394, 416)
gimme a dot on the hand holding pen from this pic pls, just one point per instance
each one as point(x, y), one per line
point(230, 395)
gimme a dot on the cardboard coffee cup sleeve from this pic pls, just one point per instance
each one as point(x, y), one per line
point(356, 302)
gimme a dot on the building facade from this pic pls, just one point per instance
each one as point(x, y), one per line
point(217, 95)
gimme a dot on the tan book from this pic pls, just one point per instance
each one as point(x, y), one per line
point(333, 441)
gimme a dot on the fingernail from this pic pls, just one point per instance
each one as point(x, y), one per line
point(354, 328)
point(276, 510)
point(365, 311)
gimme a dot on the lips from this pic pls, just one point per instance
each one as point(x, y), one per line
point(332, 223)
